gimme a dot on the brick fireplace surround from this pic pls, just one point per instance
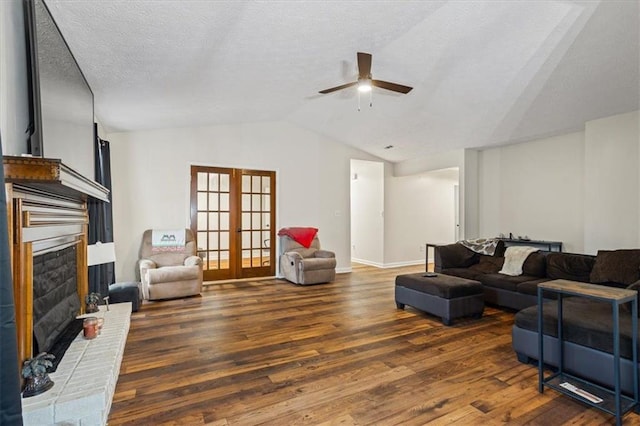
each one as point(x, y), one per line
point(85, 380)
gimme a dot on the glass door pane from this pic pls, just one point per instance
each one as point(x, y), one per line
point(232, 216)
point(256, 223)
point(212, 191)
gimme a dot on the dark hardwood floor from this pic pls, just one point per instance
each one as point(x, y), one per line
point(270, 352)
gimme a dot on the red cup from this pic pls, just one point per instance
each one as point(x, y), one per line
point(90, 327)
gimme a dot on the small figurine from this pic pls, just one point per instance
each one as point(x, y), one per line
point(91, 301)
point(34, 371)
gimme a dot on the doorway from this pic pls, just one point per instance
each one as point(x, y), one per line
point(232, 217)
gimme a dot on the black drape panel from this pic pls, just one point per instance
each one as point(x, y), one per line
point(100, 219)
point(10, 403)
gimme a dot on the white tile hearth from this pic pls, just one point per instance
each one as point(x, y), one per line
point(86, 377)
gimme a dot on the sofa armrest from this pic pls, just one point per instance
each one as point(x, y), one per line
point(148, 264)
point(324, 254)
point(193, 261)
point(145, 265)
point(293, 256)
point(454, 256)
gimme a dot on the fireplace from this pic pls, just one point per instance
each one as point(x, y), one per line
point(55, 300)
point(48, 219)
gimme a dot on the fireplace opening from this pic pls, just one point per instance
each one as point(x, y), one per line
point(55, 301)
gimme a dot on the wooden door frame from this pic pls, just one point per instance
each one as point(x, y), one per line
point(235, 268)
point(259, 272)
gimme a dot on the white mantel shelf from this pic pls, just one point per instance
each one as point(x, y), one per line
point(86, 378)
point(51, 174)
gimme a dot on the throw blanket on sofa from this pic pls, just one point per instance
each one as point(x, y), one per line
point(481, 245)
point(168, 239)
point(514, 258)
point(303, 236)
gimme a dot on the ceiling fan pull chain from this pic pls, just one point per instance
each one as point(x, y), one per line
point(358, 100)
point(370, 98)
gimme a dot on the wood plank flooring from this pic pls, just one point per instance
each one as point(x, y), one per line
point(269, 352)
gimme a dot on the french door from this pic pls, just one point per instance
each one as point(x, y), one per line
point(233, 217)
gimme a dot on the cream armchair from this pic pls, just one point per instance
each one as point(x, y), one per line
point(305, 266)
point(169, 274)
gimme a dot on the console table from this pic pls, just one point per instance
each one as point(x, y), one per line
point(547, 245)
point(612, 402)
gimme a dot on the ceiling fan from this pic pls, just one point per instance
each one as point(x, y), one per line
point(365, 82)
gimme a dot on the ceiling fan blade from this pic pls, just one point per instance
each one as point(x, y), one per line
point(344, 86)
point(391, 86)
point(364, 65)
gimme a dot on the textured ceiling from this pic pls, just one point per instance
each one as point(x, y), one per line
point(483, 72)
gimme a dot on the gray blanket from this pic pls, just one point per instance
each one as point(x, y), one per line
point(481, 245)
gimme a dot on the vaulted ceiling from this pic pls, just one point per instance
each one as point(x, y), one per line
point(483, 72)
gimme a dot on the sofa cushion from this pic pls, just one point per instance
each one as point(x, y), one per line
point(586, 322)
point(535, 265)
point(531, 287)
point(568, 266)
point(467, 273)
point(621, 266)
point(505, 282)
point(455, 256)
point(488, 264)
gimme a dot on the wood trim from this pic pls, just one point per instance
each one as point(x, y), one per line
point(19, 269)
point(235, 200)
point(21, 169)
point(23, 296)
point(220, 274)
point(66, 219)
point(82, 267)
point(270, 270)
point(235, 268)
point(54, 175)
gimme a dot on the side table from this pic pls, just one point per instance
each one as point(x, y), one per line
point(607, 400)
point(431, 246)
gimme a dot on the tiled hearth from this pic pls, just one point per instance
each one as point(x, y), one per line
point(86, 377)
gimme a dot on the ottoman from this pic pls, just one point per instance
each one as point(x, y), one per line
point(125, 292)
point(446, 296)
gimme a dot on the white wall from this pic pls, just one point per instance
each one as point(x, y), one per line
point(419, 209)
point(534, 189)
point(612, 149)
point(466, 162)
point(14, 100)
point(150, 178)
point(469, 196)
point(581, 188)
point(367, 212)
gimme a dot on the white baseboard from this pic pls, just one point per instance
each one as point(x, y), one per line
point(389, 265)
point(367, 262)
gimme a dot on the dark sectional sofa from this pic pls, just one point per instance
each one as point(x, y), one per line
point(587, 323)
point(507, 291)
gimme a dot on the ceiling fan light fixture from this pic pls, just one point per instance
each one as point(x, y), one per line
point(364, 85)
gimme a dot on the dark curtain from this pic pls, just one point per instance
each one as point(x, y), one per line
point(100, 219)
point(10, 403)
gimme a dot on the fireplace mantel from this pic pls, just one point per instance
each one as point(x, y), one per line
point(51, 175)
point(47, 210)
